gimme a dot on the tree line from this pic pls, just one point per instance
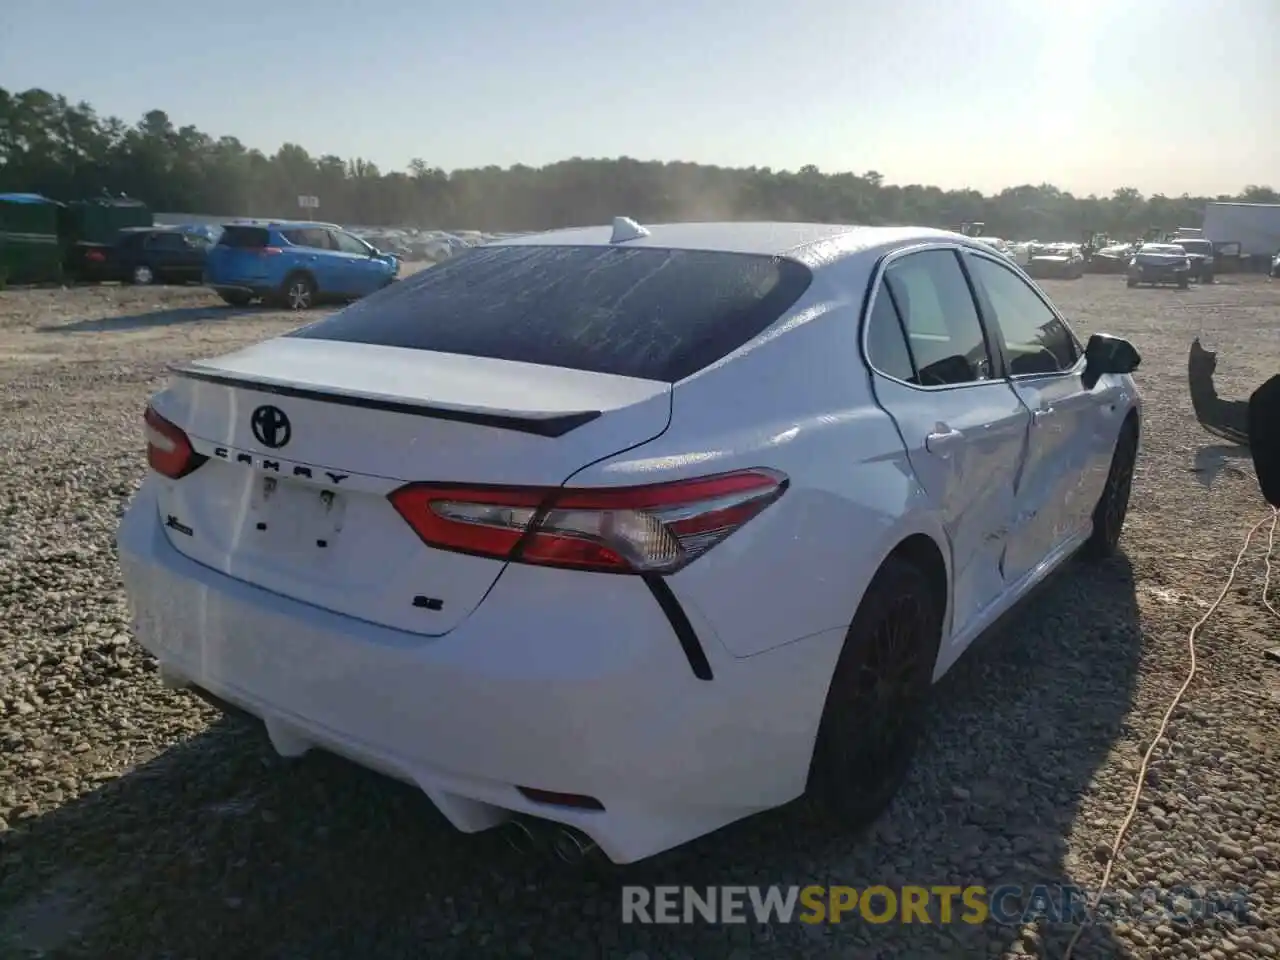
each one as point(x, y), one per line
point(66, 151)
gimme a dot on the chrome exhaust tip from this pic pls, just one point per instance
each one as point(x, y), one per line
point(519, 837)
point(572, 846)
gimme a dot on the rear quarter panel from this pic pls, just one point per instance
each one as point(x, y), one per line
point(797, 400)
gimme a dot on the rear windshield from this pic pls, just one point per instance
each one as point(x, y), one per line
point(233, 236)
point(646, 313)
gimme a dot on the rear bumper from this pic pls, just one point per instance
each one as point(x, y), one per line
point(554, 683)
point(1159, 275)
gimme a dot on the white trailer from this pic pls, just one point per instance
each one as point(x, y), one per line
point(1255, 226)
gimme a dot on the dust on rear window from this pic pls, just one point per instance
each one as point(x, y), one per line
point(233, 236)
point(647, 313)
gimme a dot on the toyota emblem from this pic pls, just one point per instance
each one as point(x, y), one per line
point(271, 427)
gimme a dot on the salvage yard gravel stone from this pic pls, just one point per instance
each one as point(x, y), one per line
point(135, 822)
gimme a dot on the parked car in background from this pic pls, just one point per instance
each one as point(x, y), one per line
point(1200, 253)
point(1275, 265)
point(144, 255)
point(999, 245)
point(1160, 263)
point(1113, 258)
point(1057, 261)
point(296, 264)
point(639, 531)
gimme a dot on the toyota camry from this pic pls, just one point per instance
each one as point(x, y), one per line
point(636, 530)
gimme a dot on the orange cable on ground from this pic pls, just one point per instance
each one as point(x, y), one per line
point(1173, 705)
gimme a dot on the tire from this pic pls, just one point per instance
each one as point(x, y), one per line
point(1184, 282)
point(1130, 282)
point(859, 760)
point(1113, 505)
point(298, 292)
point(236, 299)
point(142, 275)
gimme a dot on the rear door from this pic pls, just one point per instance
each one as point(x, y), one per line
point(513, 365)
point(313, 250)
point(169, 255)
point(963, 426)
point(1073, 428)
point(241, 257)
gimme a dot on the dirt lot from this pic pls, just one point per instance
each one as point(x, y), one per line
point(134, 823)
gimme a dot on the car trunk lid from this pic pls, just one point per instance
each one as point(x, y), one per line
point(293, 496)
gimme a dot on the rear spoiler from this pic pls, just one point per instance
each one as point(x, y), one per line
point(542, 425)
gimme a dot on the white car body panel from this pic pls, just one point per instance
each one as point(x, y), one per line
point(373, 564)
point(574, 682)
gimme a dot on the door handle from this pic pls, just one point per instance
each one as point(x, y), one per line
point(1038, 416)
point(941, 441)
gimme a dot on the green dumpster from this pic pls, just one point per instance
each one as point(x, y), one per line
point(29, 247)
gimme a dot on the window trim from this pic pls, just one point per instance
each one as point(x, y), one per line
point(1075, 369)
point(152, 241)
point(366, 250)
point(876, 285)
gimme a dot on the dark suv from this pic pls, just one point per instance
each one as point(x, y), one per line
point(152, 255)
point(1201, 254)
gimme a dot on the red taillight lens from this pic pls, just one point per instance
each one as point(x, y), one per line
point(97, 256)
point(269, 251)
point(169, 452)
point(657, 528)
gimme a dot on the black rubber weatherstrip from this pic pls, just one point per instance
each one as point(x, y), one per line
point(679, 621)
point(554, 426)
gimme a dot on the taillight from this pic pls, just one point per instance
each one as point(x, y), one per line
point(169, 451)
point(269, 251)
point(97, 256)
point(657, 528)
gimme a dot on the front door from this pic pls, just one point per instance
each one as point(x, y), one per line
point(963, 426)
point(1069, 444)
point(358, 265)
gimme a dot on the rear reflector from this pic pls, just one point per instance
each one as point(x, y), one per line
point(169, 452)
point(658, 528)
point(561, 799)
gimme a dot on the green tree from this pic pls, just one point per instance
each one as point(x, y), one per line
point(67, 151)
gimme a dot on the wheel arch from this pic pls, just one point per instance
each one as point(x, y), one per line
point(926, 547)
point(300, 272)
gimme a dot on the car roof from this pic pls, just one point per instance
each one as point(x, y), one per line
point(810, 243)
point(281, 224)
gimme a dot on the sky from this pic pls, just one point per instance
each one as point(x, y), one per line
point(1169, 96)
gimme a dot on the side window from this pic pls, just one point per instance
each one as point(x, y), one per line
point(348, 244)
point(1035, 340)
point(944, 333)
point(308, 237)
point(165, 241)
point(886, 346)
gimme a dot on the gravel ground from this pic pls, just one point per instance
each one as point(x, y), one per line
point(136, 823)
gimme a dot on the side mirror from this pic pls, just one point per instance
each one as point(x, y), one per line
point(1105, 354)
point(1264, 438)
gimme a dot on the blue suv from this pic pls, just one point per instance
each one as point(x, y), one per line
point(294, 264)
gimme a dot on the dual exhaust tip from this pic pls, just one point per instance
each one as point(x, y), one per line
point(526, 836)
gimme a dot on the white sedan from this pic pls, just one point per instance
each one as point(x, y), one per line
point(638, 531)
